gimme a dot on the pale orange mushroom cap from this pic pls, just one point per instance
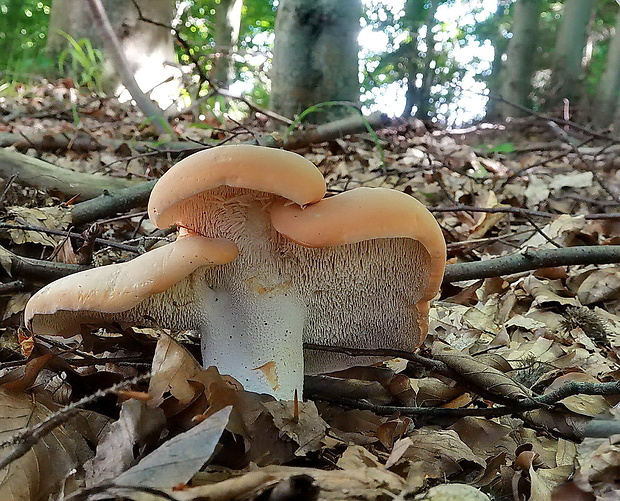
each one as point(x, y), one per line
point(119, 287)
point(280, 172)
point(367, 214)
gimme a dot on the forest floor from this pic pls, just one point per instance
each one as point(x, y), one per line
point(466, 411)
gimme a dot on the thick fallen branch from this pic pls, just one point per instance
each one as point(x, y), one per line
point(495, 267)
point(112, 203)
point(532, 260)
point(43, 175)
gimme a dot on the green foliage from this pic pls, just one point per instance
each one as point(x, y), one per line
point(83, 63)
point(420, 55)
point(255, 42)
point(23, 29)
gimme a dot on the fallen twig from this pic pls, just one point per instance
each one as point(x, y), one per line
point(79, 236)
point(519, 211)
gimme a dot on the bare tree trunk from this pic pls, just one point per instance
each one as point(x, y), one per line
point(226, 35)
point(121, 65)
point(494, 83)
point(607, 102)
point(518, 67)
point(148, 48)
point(315, 56)
point(568, 58)
point(424, 94)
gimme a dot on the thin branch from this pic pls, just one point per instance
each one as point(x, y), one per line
point(519, 211)
point(528, 404)
point(78, 236)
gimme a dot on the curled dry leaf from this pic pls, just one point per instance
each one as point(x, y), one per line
point(178, 459)
point(546, 293)
point(174, 369)
point(137, 426)
point(600, 285)
point(422, 392)
point(364, 484)
point(306, 428)
point(30, 477)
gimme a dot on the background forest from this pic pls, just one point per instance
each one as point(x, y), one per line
point(499, 117)
point(429, 59)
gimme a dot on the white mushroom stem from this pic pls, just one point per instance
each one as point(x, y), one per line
point(256, 335)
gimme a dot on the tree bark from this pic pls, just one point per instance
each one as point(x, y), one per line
point(571, 40)
point(518, 67)
point(609, 84)
point(147, 47)
point(424, 93)
point(226, 35)
point(315, 56)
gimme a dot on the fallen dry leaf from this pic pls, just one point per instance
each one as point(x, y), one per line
point(31, 477)
point(178, 459)
point(306, 428)
point(137, 426)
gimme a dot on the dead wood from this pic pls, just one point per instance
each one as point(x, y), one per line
point(39, 174)
point(495, 267)
point(114, 202)
point(529, 260)
point(36, 269)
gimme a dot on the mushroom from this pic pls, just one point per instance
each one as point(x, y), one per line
point(356, 270)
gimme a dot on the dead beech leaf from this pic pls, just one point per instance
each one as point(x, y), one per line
point(31, 477)
point(600, 285)
point(6, 260)
point(545, 294)
point(422, 392)
point(447, 492)
point(173, 367)
point(136, 426)
point(52, 218)
point(356, 456)
point(586, 405)
point(15, 304)
point(561, 230)
point(307, 429)
point(486, 438)
point(488, 220)
point(178, 459)
point(479, 373)
point(439, 451)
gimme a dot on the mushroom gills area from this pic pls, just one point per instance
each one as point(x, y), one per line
point(364, 295)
